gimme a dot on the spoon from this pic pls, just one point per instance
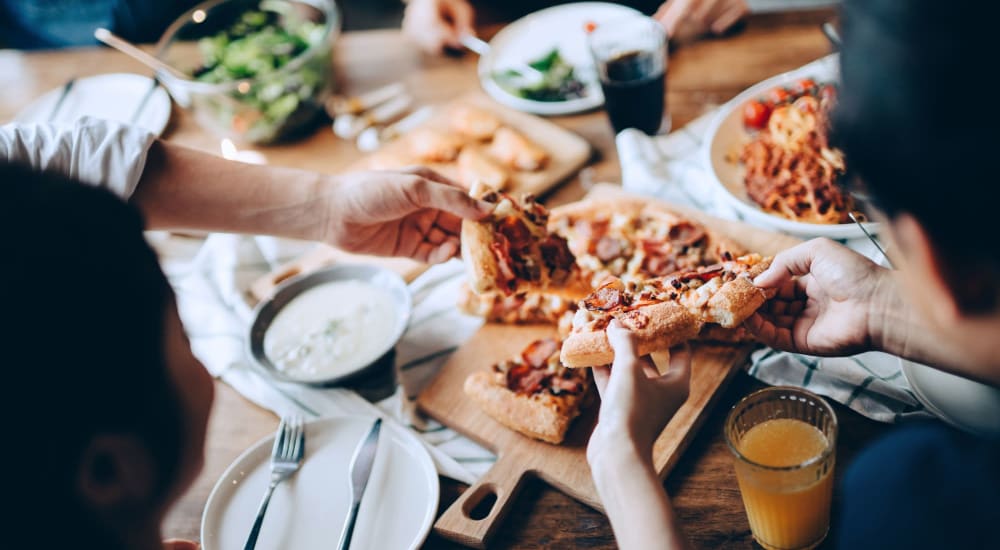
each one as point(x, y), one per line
point(374, 136)
point(129, 49)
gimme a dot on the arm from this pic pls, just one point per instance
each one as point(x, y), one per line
point(639, 509)
point(437, 24)
point(414, 213)
point(686, 20)
point(636, 403)
point(181, 188)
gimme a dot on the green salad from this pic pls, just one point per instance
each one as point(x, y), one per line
point(559, 83)
point(255, 48)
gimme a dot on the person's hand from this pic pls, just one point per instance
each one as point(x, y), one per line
point(685, 20)
point(180, 544)
point(636, 401)
point(437, 24)
point(827, 302)
point(415, 213)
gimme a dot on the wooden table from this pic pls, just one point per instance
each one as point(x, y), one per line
point(701, 77)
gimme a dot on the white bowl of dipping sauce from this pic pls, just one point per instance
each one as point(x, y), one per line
point(331, 325)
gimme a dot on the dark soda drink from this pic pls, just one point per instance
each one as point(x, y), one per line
point(634, 85)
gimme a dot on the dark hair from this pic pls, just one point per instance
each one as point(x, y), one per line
point(83, 351)
point(917, 121)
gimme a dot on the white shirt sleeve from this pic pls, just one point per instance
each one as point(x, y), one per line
point(98, 152)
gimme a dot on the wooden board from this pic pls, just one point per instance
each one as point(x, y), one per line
point(568, 151)
point(565, 466)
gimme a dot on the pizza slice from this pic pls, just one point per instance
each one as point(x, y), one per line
point(665, 311)
point(532, 393)
point(635, 240)
point(527, 307)
point(512, 251)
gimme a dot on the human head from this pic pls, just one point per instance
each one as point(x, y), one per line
point(917, 128)
point(105, 401)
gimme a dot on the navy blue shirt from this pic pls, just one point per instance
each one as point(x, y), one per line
point(923, 486)
point(37, 24)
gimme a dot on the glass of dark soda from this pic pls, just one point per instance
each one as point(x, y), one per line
point(630, 56)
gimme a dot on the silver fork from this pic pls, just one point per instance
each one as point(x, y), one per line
point(286, 457)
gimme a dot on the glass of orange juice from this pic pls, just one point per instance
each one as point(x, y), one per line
point(783, 440)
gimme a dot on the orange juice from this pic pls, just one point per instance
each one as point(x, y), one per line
point(785, 484)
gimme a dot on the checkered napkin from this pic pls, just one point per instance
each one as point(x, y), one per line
point(210, 279)
point(673, 168)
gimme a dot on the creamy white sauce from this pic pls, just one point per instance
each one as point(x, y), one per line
point(331, 330)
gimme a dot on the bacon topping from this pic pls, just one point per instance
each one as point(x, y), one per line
point(608, 248)
point(609, 296)
point(556, 253)
point(704, 274)
point(570, 385)
point(533, 375)
point(515, 230)
point(537, 353)
point(524, 379)
point(591, 230)
point(686, 234)
point(501, 251)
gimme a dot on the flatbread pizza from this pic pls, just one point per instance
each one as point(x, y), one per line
point(532, 393)
point(665, 311)
point(513, 251)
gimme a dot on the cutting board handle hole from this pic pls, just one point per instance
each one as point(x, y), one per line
point(481, 503)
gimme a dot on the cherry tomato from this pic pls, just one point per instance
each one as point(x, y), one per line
point(778, 96)
point(827, 93)
point(805, 86)
point(755, 114)
point(806, 104)
point(589, 27)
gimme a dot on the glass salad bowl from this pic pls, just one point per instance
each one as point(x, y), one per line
point(259, 70)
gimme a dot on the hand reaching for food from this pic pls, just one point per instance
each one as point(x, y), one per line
point(437, 24)
point(685, 20)
point(415, 213)
point(637, 401)
point(830, 300)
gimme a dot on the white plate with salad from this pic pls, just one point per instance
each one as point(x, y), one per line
point(554, 42)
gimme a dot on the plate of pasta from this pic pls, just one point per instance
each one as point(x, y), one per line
point(769, 151)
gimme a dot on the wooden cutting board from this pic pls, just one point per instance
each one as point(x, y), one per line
point(565, 466)
point(568, 152)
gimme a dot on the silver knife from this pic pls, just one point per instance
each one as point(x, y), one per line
point(361, 470)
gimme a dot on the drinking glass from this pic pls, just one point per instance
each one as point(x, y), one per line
point(783, 442)
point(630, 55)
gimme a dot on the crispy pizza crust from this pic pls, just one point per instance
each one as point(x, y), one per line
point(541, 417)
point(666, 324)
point(480, 263)
point(737, 300)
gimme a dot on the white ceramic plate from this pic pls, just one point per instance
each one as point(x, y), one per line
point(535, 35)
point(968, 405)
point(114, 96)
point(308, 510)
point(727, 136)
